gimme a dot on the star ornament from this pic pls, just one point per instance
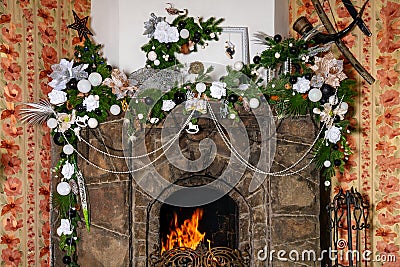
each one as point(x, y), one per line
point(80, 26)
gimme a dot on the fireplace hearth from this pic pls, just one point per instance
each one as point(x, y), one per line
point(282, 213)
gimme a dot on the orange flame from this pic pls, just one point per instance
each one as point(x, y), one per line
point(185, 235)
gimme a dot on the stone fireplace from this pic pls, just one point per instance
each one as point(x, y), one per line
point(128, 225)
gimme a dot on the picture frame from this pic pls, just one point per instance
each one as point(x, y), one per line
point(215, 51)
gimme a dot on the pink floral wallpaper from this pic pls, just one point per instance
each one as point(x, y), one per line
point(375, 167)
point(33, 36)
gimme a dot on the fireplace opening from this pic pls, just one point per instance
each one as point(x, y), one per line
point(214, 224)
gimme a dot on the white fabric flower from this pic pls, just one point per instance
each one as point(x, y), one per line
point(167, 105)
point(166, 33)
point(64, 72)
point(66, 120)
point(57, 97)
point(65, 228)
point(91, 103)
point(333, 134)
point(218, 90)
point(302, 85)
point(68, 170)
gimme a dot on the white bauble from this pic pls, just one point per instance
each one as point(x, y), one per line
point(115, 110)
point(68, 149)
point(327, 163)
point(201, 87)
point(63, 188)
point(232, 116)
point(152, 55)
point(327, 183)
point(140, 116)
point(315, 95)
point(95, 78)
point(92, 123)
point(156, 62)
point(84, 86)
point(184, 33)
point(238, 65)
point(52, 123)
point(344, 105)
point(254, 103)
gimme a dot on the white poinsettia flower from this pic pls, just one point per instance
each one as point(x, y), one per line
point(91, 102)
point(57, 97)
point(68, 170)
point(168, 105)
point(66, 120)
point(302, 85)
point(333, 134)
point(65, 228)
point(64, 71)
point(218, 90)
point(166, 33)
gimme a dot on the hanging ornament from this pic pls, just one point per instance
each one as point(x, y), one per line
point(115, 110)
point(92, 123)
point(84, 86)
point(80, 108)
point(72, 84)
point(277, 55)
point(156, 62)
point(233, 98)
point(254, 103)
point(72, 212)
point(140, 116)
point(229, 49)
point(308, 76)
point(63, 188)
point(232, 116)
point(238, 65)
point(327, 183)
point(315, 95)
point(184, 33)
point(327, 163)
point(58, 139)
point(68, 149)
point(152, 55)
point(66, 260)
point(179, 97)
point(148, 100)
point(98, 112)
point(257, 59)
point(201, 87)
point(278, 38)
point(95, 78)
point(293, 79)
point(52, 123)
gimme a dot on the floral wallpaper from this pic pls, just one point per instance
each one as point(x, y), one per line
point(33, 36)
point(375, 167)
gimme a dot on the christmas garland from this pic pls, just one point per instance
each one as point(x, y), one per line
point(294, 76)
point(182, 36)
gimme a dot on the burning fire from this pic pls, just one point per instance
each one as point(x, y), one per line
point(185, 235)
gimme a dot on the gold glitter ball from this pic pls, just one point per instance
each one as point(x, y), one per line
point(196, 67)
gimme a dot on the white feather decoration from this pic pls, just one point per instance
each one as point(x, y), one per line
point(260, 38)
point(38, 113)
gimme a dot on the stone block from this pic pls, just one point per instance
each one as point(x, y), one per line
point(292, 229)
point(100, 247)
